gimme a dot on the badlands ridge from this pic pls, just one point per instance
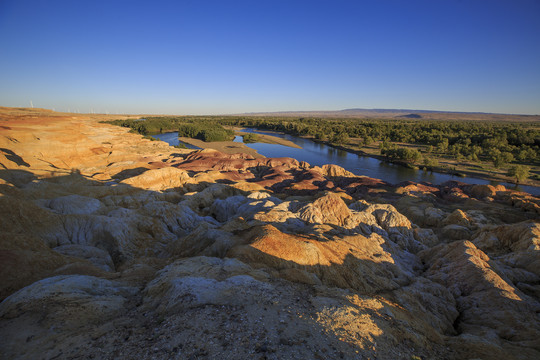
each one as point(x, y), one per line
point(116, 247)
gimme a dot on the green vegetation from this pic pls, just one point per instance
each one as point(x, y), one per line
point(426, 143)
point(340, 138)
point(393, 152)
point(429, 162)
point(205, 129)
point(205, 132)
point(519, 172)
point(250, 138)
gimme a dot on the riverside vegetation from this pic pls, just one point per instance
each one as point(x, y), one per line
point(113, 246)
point(489, 149)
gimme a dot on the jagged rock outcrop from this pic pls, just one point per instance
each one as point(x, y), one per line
point(357, 262)
point(52, 308)
point(159, 179)
point(329, 209)
point(73, 204)
point(202, 281)
point(490, 306)
point(98, 257)
point(332, 170)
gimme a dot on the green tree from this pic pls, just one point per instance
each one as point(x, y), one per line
point(403, 154)
point(368, 140)
point(340, 138)
point(430, 162)
point(501, 158)
point(519, 172)
point(442, 146)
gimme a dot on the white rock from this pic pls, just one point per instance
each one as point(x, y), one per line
point(188, 292)
point(70, 299)
point(204, 280)
point(225, 209)
point(98, 257)
point(73, 204)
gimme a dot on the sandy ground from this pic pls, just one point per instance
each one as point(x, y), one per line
point(231, 147)
point(269, 139)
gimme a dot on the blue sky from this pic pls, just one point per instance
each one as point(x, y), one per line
point(208, 57)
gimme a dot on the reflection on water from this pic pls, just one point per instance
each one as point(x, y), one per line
point(320, 154)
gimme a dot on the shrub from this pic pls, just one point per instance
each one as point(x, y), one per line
point(519, 172)
point(403, 154)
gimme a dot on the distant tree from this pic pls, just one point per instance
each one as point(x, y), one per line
point(430, 162)
point(368, 140)
point(442, 146)
point(501, 158)
point(522, 155)
point(403, 154)
point(340, 138)
point(519, 172)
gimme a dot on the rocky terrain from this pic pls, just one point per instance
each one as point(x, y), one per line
point(116, 247)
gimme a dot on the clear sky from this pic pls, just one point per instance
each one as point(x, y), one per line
point(208, 57)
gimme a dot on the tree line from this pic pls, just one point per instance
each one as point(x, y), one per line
point(498, 142)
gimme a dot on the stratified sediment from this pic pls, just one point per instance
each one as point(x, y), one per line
point(117, 247)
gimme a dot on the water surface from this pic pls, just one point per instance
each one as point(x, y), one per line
point(171, 138)
point(320, 154)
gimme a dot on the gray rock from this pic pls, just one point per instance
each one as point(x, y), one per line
point(100, 258)
point(73, 204)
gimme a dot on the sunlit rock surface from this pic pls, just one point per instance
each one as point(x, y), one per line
point(113, 246)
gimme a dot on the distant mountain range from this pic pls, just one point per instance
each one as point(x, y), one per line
point(402, 113)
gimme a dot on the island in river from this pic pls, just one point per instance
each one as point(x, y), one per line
point(234, 147)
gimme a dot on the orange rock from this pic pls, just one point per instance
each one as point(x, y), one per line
point(356, 262)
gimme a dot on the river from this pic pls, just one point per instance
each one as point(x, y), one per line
point(319, 154)
point(171, 138)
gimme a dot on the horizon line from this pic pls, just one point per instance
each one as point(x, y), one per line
point(352, 109)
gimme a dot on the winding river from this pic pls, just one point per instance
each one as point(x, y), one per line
point(320, 154)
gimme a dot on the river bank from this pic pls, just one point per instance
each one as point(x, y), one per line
point(234, 147)
point(447, 166)
point(451, 167)
point(226, 147)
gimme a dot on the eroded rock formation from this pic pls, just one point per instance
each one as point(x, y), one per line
point(114, 246)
